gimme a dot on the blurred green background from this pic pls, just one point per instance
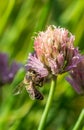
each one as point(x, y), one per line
point(20, 20)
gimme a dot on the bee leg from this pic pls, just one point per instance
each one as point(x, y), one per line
point(33, 92)
point(30, 91)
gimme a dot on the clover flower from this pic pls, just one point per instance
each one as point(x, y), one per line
point(7, 72)
point(54, 54)
point(55, 49)
point(76, 77)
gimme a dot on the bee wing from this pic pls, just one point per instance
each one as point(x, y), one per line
point(18, 89)
point(33, 92)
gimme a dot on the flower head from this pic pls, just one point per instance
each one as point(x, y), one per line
point(76, 78)
point(54, 53)
point(55, 49)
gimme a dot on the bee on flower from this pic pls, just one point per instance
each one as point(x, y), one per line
point(54, 54)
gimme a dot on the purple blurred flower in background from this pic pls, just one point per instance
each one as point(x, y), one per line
point(7, 72)
point(76, 78)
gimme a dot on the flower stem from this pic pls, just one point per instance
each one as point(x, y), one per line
point(79, 120)
point(48, 104)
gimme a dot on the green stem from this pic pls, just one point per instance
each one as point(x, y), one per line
point(48, 104)
point(79, 120)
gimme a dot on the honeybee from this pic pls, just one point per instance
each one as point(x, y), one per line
point(31, 80)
